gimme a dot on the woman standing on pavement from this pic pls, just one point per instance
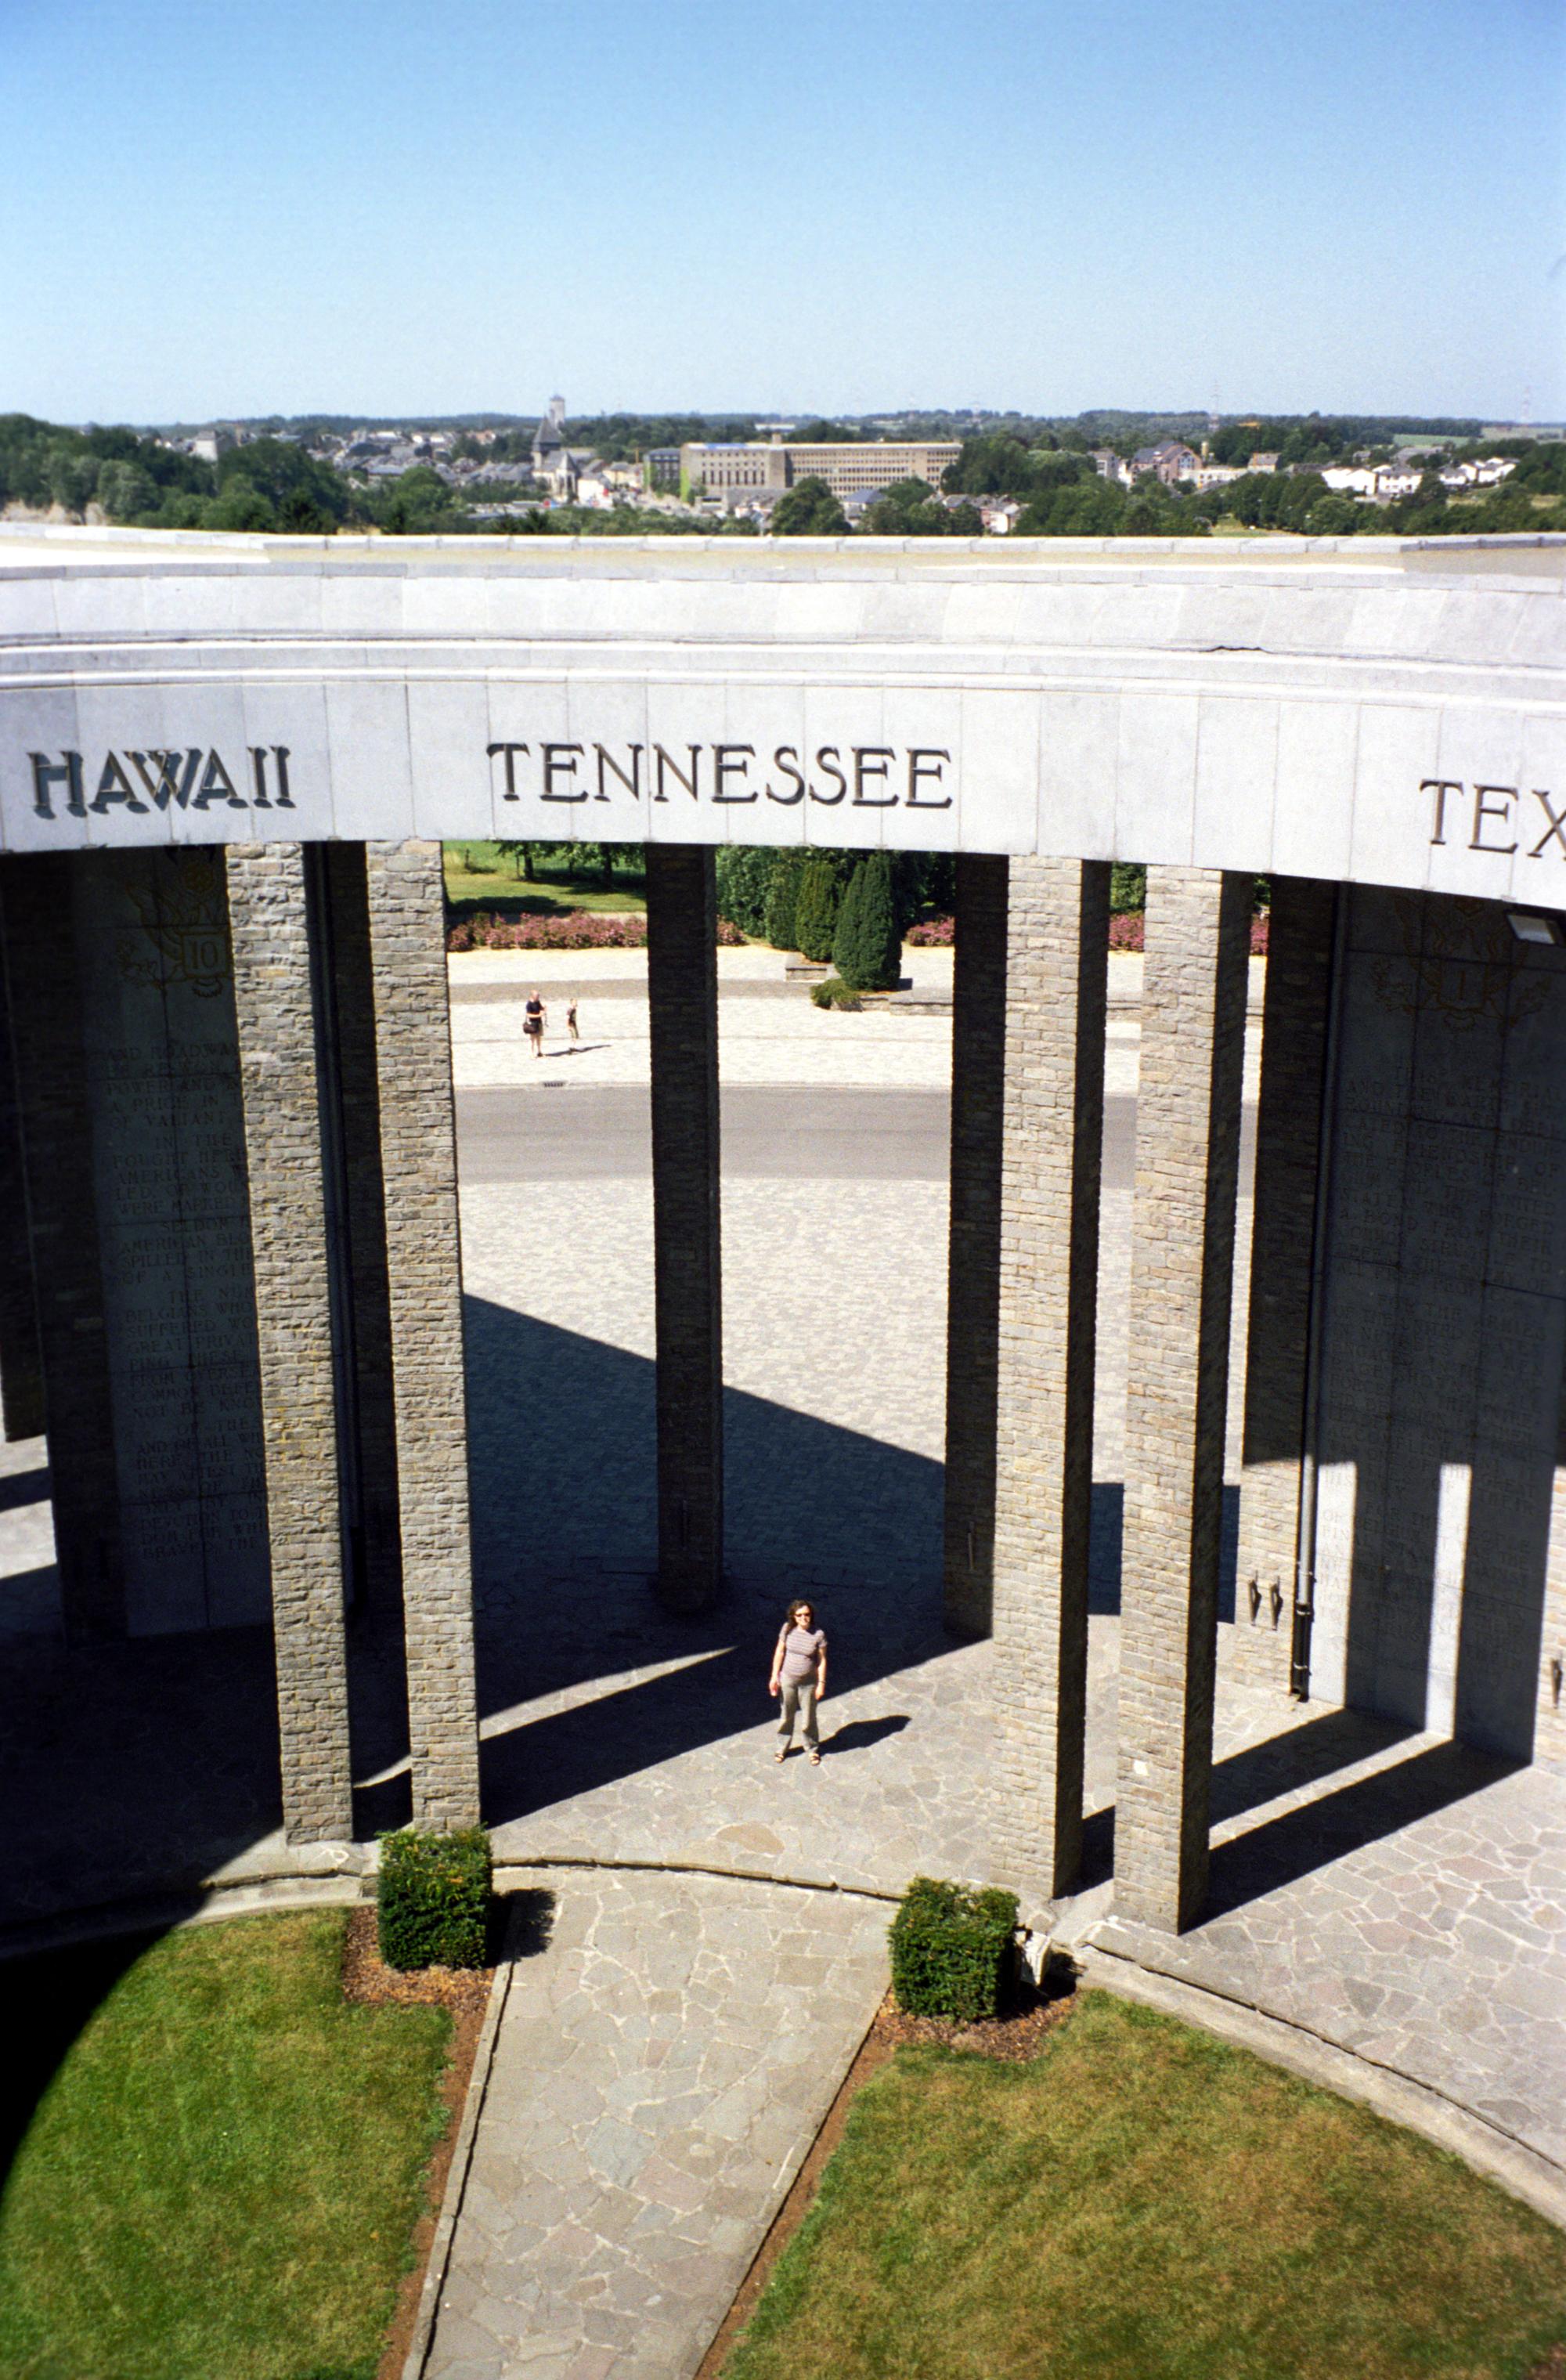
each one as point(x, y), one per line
point(533, 1017)
point(799, 1675)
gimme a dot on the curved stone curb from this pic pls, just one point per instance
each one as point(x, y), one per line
point(202, 1904)
point(462, 2159)
point(1538, 2181)
point(515, 1871)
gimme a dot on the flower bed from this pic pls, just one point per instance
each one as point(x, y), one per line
point(581, 930)
point(936, 933)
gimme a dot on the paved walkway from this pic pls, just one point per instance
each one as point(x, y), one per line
point(661, 2067)
point(1416, 1917)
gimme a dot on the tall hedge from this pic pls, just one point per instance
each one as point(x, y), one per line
point(783, 897)
point(868, 948)
point(816, 911)
point(744, 873)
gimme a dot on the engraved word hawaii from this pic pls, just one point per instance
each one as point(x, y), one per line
point(193, 780)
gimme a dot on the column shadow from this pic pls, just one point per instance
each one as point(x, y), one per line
point(1299, 1841)
point(563, 1451)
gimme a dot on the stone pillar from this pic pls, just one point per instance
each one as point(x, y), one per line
point(21, 1364)
point(376, 1564)
point(44, 984)
point(682, 983)
point(275, 997)
point(1181, 1278)
point(1056, 994)
point(978, 1052)
point(405, 904)
point(1288, 1119)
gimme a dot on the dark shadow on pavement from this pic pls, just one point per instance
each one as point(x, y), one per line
point(860, 1734)
point(18, 1488)
point(1300, 1756)
point(562, 1436)
point(1290, 1846)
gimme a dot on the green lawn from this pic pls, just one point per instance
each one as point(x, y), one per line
point(479, 876)
point(1146, 2203)
point(220, 2178)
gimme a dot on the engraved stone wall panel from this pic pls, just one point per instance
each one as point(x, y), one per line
point(169, 1183)
point(1442, 1362)
point(22, 1361)
point(43, 980)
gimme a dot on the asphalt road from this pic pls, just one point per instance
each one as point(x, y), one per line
point(790, 1133)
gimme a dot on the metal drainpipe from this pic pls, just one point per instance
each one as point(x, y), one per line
point(1304, 1563)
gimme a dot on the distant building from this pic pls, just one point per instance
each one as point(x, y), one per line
point(1172, 461)
point(1263, 463)
point(848, 470)
point(1112, 467)
point(1216, 475)
point(661, 468)
point(552, 465)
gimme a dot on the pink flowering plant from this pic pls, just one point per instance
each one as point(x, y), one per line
point(576, 930)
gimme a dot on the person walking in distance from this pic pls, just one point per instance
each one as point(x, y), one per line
point(800, 1676)
point(571, 1022)
point(533, 1020)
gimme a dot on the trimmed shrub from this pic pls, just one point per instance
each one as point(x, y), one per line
point(868, 948)
point(952, 1949)
point(782, 898)
point(432, 1899)
point(816, 911)
point(744, 876)
point(835, 994)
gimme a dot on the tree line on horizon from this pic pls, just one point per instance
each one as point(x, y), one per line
point(273, 485)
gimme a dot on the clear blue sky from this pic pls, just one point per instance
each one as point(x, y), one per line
point(229, 207)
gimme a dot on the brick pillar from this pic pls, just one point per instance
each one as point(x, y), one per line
point(1056, 993)
point(406, 901)
point(1294, 1058)
point(978, 1053)
point(682, 984)
point(1182, 1277)
point(276, 1008)
point(46, 998)
point(378, 1555)
point(21, 1364)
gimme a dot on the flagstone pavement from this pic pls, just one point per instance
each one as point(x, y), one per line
point(718, 1939)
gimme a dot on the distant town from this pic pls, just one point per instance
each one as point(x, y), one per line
point(915, 474)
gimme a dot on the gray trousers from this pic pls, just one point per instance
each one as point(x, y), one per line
point(800, 1697)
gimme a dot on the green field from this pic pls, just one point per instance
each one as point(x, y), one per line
point(479, 876)
point(1143, 2203)
point(221, 2176)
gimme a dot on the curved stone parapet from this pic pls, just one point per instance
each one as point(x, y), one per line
point(1366, 710)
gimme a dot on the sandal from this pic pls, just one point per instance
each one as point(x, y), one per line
point(815, 1760)
point(782, 1752)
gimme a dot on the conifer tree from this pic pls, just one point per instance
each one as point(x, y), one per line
point(867, 951)
point(815, 916)
point(783, 896)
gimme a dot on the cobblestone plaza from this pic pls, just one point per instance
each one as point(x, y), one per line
point(1160, 1388)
